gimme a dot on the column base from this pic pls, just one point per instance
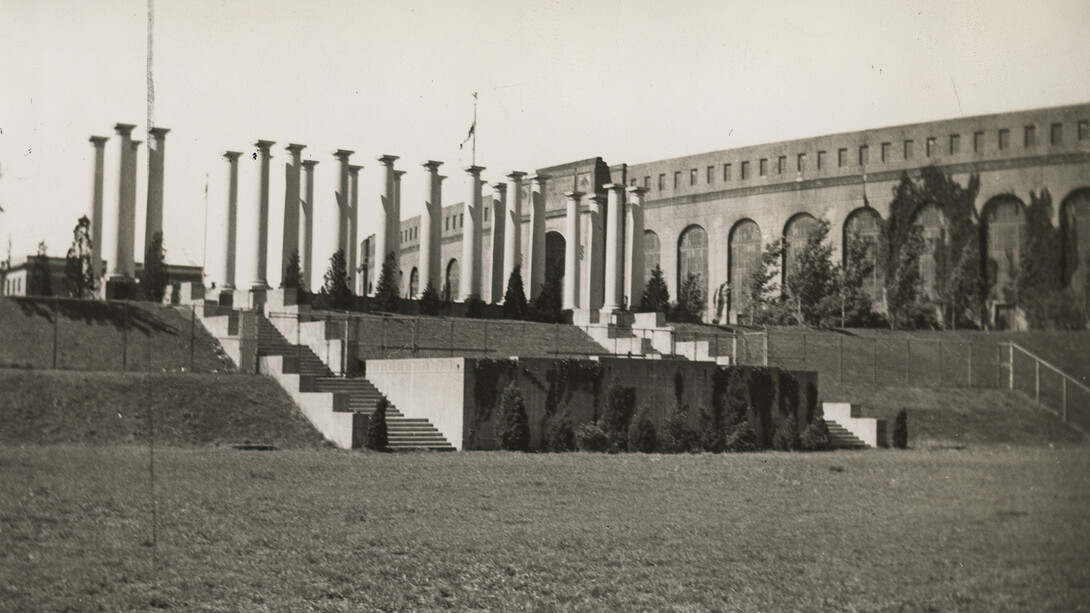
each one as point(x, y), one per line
point(121, 288)
point(615, 316)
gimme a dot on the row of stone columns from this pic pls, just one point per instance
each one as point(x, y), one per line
point(121, 252)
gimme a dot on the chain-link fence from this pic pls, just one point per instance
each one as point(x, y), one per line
point(1047, 385)
point(73, 334)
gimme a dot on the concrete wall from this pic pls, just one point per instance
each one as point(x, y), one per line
point(343, 428)
point(432, 388)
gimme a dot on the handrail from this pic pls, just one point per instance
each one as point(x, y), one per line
point(1046, 363)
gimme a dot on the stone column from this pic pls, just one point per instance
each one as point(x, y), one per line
point(498, 234)
point(306, 255)
point(471, 235)
point(614, 270)
point(290, 243)
point(430, 226)
point(512, 244)
point(261, 219)
point(99, 143)
point(353, 226)
point(120, 255)
point(537, 235)
point(393, 239)
point(387, 196)
point(157, 149)
point(634, 263)
point(343, 197)
point(231, 232)
point(571, 252)
point(593, 254)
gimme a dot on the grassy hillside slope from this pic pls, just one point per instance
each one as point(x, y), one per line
point(113, 408)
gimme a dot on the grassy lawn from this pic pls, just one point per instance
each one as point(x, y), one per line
point(980, 530)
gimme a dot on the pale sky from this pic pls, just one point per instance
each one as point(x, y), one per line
point(630, 81)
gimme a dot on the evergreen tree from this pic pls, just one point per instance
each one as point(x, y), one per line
point(79, 270)
point(514, 424)
point(766, 300)
point(335, 293)
point(387, 295)
point(855, 305)
point(154, 280)
point(39, 281)
point(514, 300)
point(377, 431)
point(814, 278)
point(293, 273)
point(690, 300)
point(429, 301)
point(547, 306)
point(656, 296)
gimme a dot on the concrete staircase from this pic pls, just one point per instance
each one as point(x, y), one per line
point(355, 394)
point(841, 438)
point(848, 430)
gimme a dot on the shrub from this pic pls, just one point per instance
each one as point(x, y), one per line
point(786, 437)
point(474, 307)
point(429, 301)
point(559, 436)
point(712, 430)
point(335, 292)
point(514, 424)
point(590, 437)
point(620, 405)
point(678, 435)
point(815, 437)
point(387, 294)
point(514, 300)
point(377, 433)
point(900, 430)
point(641, 435)
point(742, 438)
point(656, 296)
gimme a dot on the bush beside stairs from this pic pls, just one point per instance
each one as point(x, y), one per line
point(350, 394)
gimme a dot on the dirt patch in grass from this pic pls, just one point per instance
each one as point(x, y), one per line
point(103, 408)
point(979, 530)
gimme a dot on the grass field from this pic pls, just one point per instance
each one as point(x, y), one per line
point(980, 530)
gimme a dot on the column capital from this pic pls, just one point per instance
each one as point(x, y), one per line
point(124, 129)
point(295, 149)
point(309, 164)
point(474, 170)
point(637, 190)
point(264, 145)
point(499, 186)
point(574, 195)
point(431, 165)
point(441, 178)
point(596, 197)
point(398, 174)
point(99, 141)
point(613, 187)
point(158, 133)
point(539, 179)
point(354, 169)
point(342, 154)
point(232, 155)
point(387, 159)
point(136, 144)
point(516, 176)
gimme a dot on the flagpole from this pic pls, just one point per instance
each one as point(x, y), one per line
point(474, 128)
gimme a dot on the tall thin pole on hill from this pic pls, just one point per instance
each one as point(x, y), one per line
point(151, 406)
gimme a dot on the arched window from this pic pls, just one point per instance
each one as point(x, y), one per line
point(651, 255)
point(1075, 224)
point(554, 255)
point(692, 256)
point(866, 225)
point(451, 287)
point(745, 257)
point(1005, 220)
point(794, 239)
point(414, 283)
point(931, 219)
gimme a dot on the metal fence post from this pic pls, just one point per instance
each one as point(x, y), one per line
point(125, 336)
point(415, 322)
point(840, 361)
point(908, 362)
point(452, 338)
point(556, 340)
point(1010, 366)
point(874, 381)
point(56, 328)
point(1037, 381)
point(384, 356)
point(970, 364)
point(998, 364)
point(192, 337)
point(940, 363)
point(486, 337)
point(804, 351)
point(1064, 380)
point(734, 348)
point(766, 347)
